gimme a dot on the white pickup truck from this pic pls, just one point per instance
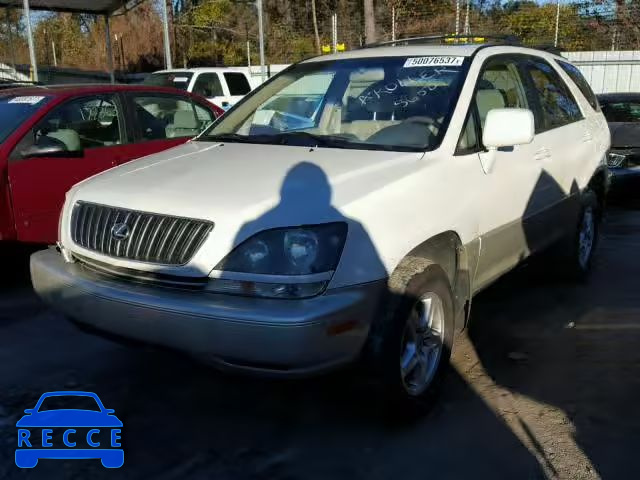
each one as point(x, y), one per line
point(223, 86)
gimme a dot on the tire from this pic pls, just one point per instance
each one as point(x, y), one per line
point(575, 253)
point(410, 342)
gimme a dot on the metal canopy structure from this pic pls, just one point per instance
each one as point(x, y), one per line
point(99, 7)
point(107, 8)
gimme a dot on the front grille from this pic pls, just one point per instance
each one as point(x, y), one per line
point(146, 237)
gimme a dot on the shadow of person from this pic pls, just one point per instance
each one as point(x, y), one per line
point(565, 355)
point(345, 403)
point(305, 199)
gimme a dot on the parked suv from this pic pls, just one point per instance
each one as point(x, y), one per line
point(427, 172)
point(54, 137)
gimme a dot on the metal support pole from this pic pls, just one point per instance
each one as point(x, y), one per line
point(555, 42)
point(334, 32)
point(457, 17)
point(263, 73)
point(107, 33)
point(249, 56)
point(165, 34)
point(32, 49)
point(53, 49)
point(467, 27)
point(393, 24)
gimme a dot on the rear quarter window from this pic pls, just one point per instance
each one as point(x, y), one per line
point(576, 76)
point(237, 83)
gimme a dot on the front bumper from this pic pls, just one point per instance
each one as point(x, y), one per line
point(281, 337)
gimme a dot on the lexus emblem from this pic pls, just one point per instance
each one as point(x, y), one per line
point(120, 231)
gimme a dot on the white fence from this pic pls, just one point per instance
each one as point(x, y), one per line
point(615, 71)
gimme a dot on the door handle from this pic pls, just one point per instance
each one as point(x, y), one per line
point(587, 137)
point(542, 154)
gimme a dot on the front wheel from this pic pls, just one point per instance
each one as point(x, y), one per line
point(411, 341)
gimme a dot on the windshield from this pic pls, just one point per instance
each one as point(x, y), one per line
point(15, 109)
point(625, 112)
point(384, 103)
point(169, 79)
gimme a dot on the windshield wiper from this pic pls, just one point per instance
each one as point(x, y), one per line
point(232, 137)
point(306, 139)
point(299, 138)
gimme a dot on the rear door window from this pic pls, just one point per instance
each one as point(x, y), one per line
point(557, 105)
point(167, 116)
point(237, 83)
point(581, 82)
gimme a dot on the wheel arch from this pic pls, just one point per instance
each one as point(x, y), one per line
point(446, 250)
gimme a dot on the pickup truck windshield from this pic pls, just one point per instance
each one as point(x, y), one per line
point(169, 79)
point(15, 109)
point(384, 103)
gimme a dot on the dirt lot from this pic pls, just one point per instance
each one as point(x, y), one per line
point(545, 384)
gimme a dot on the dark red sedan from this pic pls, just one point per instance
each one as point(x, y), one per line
point(53, 137)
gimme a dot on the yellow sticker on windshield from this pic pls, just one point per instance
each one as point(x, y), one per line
point(434, 61)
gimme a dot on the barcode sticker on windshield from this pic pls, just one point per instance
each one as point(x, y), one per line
point(433, 61)
point(31, 100)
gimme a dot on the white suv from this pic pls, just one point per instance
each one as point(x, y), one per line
point(349, 208)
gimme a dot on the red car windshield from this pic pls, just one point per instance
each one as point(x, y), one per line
point(15, 109)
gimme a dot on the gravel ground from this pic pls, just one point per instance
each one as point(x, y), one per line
point(544, 384)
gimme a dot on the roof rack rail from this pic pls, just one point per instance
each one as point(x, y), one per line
point(449, 39)
point(547, 48)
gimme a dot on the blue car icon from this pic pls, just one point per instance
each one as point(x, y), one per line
point(35, 430)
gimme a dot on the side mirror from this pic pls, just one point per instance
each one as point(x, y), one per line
point(35, 151)
point(109, 411)
point(507, 127)
point(29, 411)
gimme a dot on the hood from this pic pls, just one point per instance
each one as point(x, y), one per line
point(237, 181)
point(625, 135)
point(244, 189)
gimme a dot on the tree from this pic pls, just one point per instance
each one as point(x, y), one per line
point(315, 26)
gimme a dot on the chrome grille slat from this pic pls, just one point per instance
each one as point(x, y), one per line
point(134, 229)
point(89, 221)
point(94, 245)
point(119, 245)
point(139, 245)
point(104, 232)
point(153, 238)
point(172, 248)
point(191, 240)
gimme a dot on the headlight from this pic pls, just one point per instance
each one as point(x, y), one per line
point(295, 262)
point(616, 160)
